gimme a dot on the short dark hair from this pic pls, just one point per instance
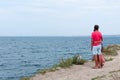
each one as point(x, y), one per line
point(96, 27)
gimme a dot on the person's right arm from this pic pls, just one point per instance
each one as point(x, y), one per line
point(91, 41)
point(91, 44)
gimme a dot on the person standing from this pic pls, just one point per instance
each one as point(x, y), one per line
point(96, 40)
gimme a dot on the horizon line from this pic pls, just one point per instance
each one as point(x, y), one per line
point(52, 35)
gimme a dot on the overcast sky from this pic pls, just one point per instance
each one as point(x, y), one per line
point(58, 17)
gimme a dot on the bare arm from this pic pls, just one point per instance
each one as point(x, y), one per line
point(91, 44)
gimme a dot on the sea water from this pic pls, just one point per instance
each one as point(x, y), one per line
point(23, 56)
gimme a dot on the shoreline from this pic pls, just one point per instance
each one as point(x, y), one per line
point(83, 72)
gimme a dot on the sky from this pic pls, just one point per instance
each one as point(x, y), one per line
point(58, 17)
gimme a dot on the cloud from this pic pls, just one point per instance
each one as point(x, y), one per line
point(4, 13)
point(61, 15)
point(65, 6)
point(59, 8)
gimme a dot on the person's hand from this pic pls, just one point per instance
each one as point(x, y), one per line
point(91, 48)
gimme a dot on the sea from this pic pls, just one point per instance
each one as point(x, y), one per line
point(23, 56)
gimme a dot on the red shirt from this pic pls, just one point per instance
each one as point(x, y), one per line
point(96, 38)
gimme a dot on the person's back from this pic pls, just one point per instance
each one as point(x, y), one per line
point(96, 37)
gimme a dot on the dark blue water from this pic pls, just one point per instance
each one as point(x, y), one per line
point(23, 56)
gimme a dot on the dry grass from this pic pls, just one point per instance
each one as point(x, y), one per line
point(113, 75)
point(64, 63)
point(111, 50)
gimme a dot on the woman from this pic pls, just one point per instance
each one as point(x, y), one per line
point(96, 40)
